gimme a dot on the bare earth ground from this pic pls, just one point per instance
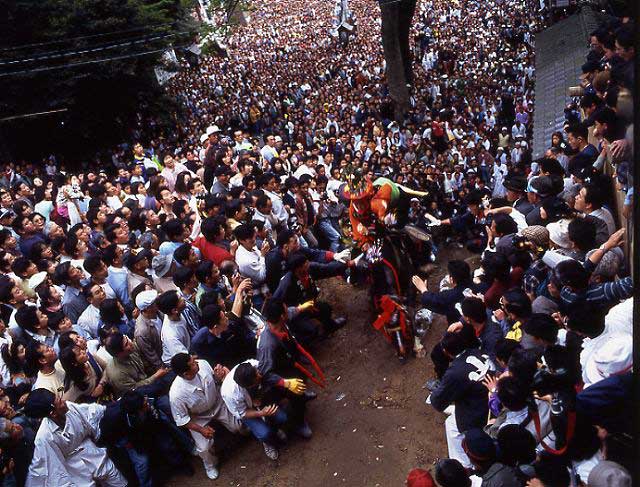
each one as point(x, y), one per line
point(373, 435)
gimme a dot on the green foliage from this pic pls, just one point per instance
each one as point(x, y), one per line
point(102, 98)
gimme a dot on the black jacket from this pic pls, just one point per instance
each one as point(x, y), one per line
point(276, 264)
point(444, 302)
point(293, 293)
point(462, 386)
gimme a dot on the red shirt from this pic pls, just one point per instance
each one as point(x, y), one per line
point(437, 129)
point(212, 252)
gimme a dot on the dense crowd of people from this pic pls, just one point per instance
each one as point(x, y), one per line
point(156, 304)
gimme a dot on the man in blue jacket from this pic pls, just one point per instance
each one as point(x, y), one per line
point(444, 302)
point(462, 387)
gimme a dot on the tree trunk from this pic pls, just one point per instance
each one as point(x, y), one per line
point(396, 25)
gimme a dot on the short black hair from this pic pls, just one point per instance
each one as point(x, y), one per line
point(132, 401)
point(582, 233)
point(451, 473)
point(86, 289)
point(587, 320)
point(523, 364)
point(20, 266)
point(273, 310)
point(473, 198)
point(92, 263)
point(211, 315)
point(475, 309)
point(512, 393)
point(460, 271)
point(542, 326)
point(578, 130)
point(262, 201)
point(173, 228)
point(40, 403)
point(518, 302)
point(180, 363)
point(516, 444)
point(203, 271)
point(109, 253)
point(284, 236)
point(571, 273)
point(181, 254)
point(504, 349)
point(244, 231)
point(232, 208)
point(27, 318)
point(245, 375)
point(182, 276)
point(296, 260)
point(454, 343)
point(114, 343)
point(167, 301)
point(505, 225)
point(71, 245)
point(211, 227)
point(551, 470)
point(594, 195)
point(209, 297)
point(110, 313)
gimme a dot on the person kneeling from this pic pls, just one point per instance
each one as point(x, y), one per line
point(243, 393)
point(196, 403)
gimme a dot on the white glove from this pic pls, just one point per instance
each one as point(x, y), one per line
point(435, 223)
point(343, 256)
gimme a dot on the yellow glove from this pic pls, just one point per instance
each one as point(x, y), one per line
point(305, 306)
point(297, 386)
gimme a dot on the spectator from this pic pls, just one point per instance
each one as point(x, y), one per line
point(196, 402)
point(60, 458)
point(125, 371)
point(263, 422)
point(147, 331)
point(175, 334)
point(461, 386)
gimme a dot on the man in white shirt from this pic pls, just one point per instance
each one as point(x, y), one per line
point(174, 334)
point(262, 421)
point(269, 184)
point(269, 151)
point(196, 402)
point(250, 260)
point(307, 168)
point(65, 453)
point(518, 130)
point(50, 372)
point(90, 317)
point(589, 200)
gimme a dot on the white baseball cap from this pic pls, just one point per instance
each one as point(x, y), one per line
point(212, 129)
point(613, 357)
point(146, 299)
point(37, 279)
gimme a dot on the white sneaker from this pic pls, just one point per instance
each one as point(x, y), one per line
point(270, 451)
point(212, 471)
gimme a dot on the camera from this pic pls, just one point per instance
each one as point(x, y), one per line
point(576, 91)
point(293, 224)
point(519, 242)
point(547, 381)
